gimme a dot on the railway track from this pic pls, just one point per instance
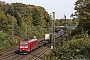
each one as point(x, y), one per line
point(34, 55)
point(5, 51)
point(11, 54)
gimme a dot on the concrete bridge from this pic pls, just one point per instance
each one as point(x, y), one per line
point(64, 27)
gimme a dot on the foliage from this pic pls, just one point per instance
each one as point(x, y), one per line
point(82, 13)
point(69, 22)
point(24, 21)
point(6, 45)
point(48, 57)
point(28, 16)
point(4, 41)
point(35, 16)
point(3, 36)
point(77, 48)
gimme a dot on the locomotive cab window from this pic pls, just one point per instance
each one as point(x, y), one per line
point(23, 44)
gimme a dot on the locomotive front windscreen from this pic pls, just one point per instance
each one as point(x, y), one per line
point(24, 43)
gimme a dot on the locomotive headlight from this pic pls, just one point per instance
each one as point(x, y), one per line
point(21, 47)
point(26, 47)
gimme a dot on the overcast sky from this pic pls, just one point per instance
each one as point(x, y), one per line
point(60, 7)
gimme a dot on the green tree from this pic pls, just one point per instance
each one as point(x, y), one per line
point(35, 16)
point(3, 36)
point(82, 8)
point(3, 22)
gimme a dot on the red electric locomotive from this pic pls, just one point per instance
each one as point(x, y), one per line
point(28, 45)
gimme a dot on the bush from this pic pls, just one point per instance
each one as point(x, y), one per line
point(3, 36)
point(77, 48)
point(5, 43)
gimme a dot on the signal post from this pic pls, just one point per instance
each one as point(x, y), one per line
point(53, 30)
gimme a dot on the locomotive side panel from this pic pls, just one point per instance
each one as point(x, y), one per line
point(33, 44)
